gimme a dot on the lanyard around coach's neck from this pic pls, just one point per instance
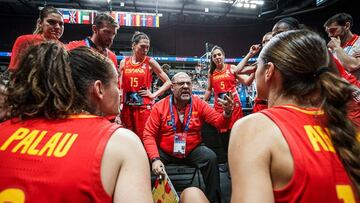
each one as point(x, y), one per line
point(173, 116)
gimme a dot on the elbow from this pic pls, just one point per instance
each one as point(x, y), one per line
point(249, 82)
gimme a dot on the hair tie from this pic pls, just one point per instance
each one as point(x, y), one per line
point(320, 71)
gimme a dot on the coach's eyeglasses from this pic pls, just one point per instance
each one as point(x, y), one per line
point(182, 83)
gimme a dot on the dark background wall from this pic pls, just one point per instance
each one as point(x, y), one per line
point(180, 39)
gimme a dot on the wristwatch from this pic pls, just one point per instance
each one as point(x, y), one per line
point(155, 159)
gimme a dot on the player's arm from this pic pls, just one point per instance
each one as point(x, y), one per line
point(125, 170)
point(254, 49)
point(249, 160)
point(162, 76)
point(121, 75)
point(246, 79)
point(209, 89)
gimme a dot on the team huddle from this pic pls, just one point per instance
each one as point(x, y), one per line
point(76, 125)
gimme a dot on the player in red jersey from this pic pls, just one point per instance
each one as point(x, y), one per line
point(136, 73)
point(49, 26)
point(303, 148)
point(104, 30)
point(222, 79)
point(57, 146)
point(260, 104)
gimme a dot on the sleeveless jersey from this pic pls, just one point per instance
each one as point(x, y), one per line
point(136, 77)
point(224, 81)
point(20, 47)
point(53, 160)
point(319, 175)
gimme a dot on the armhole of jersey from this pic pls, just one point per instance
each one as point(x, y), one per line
point(229, 68)
point(100, 150)
point(298, 159)
point(149, 72)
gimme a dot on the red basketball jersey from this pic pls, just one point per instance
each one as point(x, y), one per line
point(222, 82)
point(20, 47)
point(136, 77)
point(53, 160)
point(319, 175)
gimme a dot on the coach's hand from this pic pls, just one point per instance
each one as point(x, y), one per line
point(158, 168)
point(227, 104)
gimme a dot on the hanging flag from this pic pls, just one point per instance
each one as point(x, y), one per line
point(143, 20)
point(149, 21)
point(73, 15)
point(133, 20)
point(83, 17)
point(121, 17)
point(137, 20)
point(157, 21)
point(128, 19)
point(66, 16)
point(92, 17)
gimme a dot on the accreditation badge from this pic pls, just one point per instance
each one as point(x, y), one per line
point(179, 143)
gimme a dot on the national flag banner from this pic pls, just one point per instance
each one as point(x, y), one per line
point(157, 21)
point(92, 17)
point(73, 15)
point(143, 20)
point(133, 20)
point(137, 17)
point(149, 21)
point(76, 16)
point(121, 17)
point(66, 16)
point(128, 19)
point(84, 17)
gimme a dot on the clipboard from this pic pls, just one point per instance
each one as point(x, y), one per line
point(164, 191)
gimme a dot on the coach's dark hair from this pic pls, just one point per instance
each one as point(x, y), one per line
point(301, 57)
point(137, 36)
point(103, 17)
point(340, 19)
point(88, 66)
point(212, 63)
point(45, 12)
point(42, 85)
